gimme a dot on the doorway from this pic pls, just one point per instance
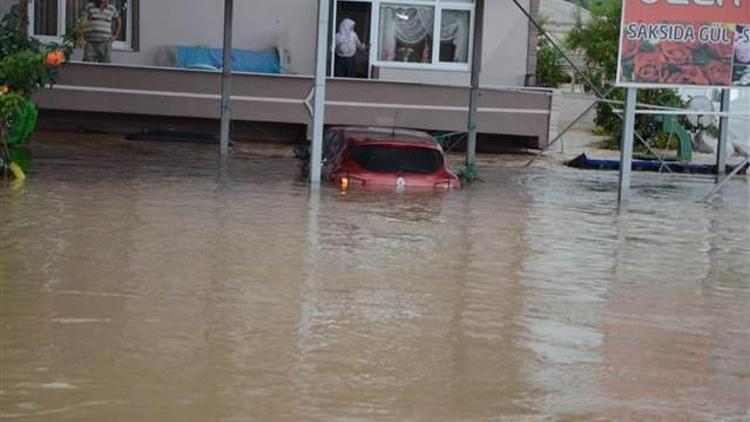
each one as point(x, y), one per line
point(361, 13)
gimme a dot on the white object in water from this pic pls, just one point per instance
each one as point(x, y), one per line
point(738, 137)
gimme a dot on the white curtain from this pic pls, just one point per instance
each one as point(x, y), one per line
point(408, 25)
point(454, 27)
point(411, 26)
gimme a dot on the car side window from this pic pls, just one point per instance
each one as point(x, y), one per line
point(332, 144)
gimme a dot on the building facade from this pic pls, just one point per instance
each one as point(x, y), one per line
point(417, 42)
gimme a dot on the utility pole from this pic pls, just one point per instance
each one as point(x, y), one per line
point(476, 67)
point(226, 81)
point(320, 92)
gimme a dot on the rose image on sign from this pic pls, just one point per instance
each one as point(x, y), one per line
point(684, 43)
point(647, 67)
point(676, 53)
point(678, 63)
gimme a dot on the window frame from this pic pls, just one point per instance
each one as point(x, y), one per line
point(130, 43)
point(436, 64)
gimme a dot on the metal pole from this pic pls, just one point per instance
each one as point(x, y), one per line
point(721, 149)
point(626, 147)
point(476, 67)
point(226, 80)
point(320, 92)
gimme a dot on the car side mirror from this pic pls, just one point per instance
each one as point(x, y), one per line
point(302, 153)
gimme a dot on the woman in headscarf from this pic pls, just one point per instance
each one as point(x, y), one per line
point(347, 44)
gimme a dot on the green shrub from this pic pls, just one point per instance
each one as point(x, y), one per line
point(24, 65)
point(549, 68)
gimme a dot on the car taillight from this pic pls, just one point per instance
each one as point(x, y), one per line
point(349, 180)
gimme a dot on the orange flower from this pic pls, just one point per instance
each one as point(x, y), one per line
point(55, 58)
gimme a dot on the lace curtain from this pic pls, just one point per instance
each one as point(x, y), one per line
point(409, 26)
point(454, 27)
point(413, 26)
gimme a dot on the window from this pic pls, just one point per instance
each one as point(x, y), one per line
point(50, 19)
point(454, 36)
point(407, 33)
point(332, 143)
point(384, 159)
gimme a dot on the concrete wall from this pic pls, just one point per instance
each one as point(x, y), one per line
point(5, 6)
point(280, 98)
point(258, 25)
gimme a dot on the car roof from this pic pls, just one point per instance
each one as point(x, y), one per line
point(375, 135)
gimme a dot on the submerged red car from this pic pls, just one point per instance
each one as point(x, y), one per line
point(380, 157)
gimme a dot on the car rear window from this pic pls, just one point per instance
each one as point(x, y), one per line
point(387, 159)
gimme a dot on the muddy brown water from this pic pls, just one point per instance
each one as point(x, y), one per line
point(145, 285)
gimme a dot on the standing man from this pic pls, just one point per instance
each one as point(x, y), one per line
point(105, 27)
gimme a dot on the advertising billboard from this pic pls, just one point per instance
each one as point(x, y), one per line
point(670, 43)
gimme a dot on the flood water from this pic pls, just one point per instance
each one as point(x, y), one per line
point(139, 284)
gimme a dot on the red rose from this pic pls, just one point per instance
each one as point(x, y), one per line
point(722, 51)
point(647, 67)
point(719, 73)
point(630, 47)
point(687, 75)
point(675, 53)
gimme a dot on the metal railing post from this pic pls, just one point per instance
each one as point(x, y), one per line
point(226, 80)
point(320, 92)
point(626, 147)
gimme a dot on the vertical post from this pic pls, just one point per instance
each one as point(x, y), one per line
point(721, 149)
point(226, 80)
point(476, 66)
point(320, 92)
point(626, 147)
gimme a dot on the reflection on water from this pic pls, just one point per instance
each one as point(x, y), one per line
point(140, 286)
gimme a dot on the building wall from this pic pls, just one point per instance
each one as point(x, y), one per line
point(291, 24)
point(5, 6)
point(258, 25)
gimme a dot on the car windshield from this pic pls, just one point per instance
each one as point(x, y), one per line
point(388, 159)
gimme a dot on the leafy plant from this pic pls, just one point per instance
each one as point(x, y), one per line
point(26, 64)
point(598, 39)
point(9, 102)
point(549, 68)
